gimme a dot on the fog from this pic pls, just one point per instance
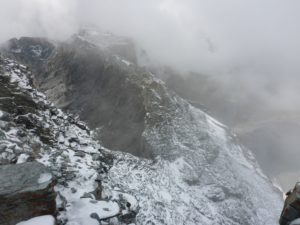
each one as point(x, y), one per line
point(254, 43)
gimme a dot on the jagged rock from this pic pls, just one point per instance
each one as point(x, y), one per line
point(54, 111)
point(98, 191)
point(2, 135)
point(26, 191)
point(73, 190)
point(74, 139)
point(21, 133)
point(128, 218)
point(28, 122)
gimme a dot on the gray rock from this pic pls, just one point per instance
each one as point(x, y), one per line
point(2, 135)
point(96, 157)
point(6, 117)
point(79, 154)
point(70, 176)
point(2, 147)
point(26, 191)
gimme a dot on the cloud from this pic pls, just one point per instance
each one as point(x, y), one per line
point(257, 38)
point(51, 18)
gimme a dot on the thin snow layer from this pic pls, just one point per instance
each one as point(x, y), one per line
point(200, 175)
point(80, 212)
point(71, 153)
point(40, 220)
point(45, 177)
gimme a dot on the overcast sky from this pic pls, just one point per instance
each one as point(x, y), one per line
point(254, 38)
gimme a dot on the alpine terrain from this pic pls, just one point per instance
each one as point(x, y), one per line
point(120, 147)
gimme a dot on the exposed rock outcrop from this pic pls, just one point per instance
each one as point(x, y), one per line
point(26, 191)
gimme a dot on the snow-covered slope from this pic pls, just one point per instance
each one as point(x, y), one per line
point(31, 128)
point(198, 174)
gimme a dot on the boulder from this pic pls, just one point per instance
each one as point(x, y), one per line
point(26, 191)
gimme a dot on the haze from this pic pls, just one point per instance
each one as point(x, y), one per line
point(252, 44)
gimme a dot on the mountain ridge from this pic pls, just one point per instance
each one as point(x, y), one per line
point(197, 173)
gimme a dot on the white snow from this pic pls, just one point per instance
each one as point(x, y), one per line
point(22, 158)
point(61, 138)
point(40, 220)
point(45, 177)
point(80, 211)
point(1, 113)
point(296, 222)
point(126, 62)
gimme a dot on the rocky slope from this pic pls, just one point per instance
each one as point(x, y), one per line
point(261, 122)
point(32, 129)
point(26, 191)
point(197, 172)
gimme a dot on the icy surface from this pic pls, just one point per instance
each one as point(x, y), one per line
point(40, 220)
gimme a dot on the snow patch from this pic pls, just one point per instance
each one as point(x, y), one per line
point(40, 220)
point(80, 211)
point(22, 158)
point(45, 177)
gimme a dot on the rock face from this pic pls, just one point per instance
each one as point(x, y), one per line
point(26, 191)
point(74, 68)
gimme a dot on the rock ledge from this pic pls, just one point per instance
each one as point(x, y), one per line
point(26, 191)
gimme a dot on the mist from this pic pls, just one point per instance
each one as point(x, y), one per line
point(251, 44)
